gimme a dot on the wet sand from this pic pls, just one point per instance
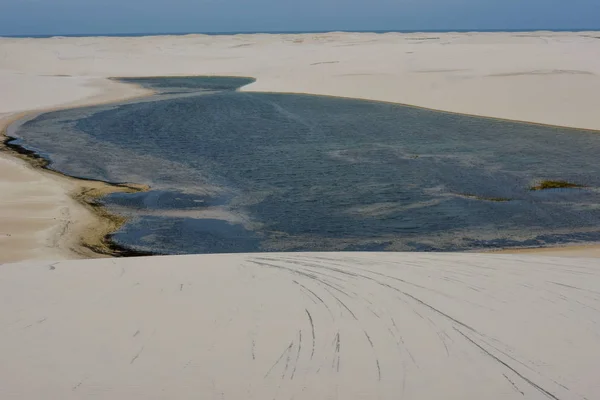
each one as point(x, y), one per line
point(578, 251)
point(47, 215)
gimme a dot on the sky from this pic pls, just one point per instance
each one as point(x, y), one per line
point(55, 17)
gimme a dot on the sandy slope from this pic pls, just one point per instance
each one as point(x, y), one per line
point(542, 77)
point(296, 326)
point(39, 219)
point(302, 326)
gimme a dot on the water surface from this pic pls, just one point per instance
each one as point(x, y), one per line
point(235, 171)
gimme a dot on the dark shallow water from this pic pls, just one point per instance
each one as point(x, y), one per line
point(234, 171)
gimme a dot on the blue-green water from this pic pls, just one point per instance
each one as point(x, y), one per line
point(235, 171)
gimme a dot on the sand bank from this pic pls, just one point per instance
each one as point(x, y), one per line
point(302, 326)
point(45, 215)
point(540, 77)
point(579, 251)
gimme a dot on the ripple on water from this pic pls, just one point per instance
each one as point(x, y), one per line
point(235, 171)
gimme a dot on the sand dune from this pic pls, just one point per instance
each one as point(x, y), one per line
point(540, 77)
point(302, 326)
point(295, 326)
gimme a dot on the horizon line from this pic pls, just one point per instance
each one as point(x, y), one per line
point(274, 32)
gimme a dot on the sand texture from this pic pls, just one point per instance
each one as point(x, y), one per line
point(40, 216)
point(541, 77)
point(544, 77)
point(294, 326)
point(302, 326)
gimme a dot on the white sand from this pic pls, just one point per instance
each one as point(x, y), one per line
point(295, 326)
point(302, 326)
point(545, 77)
point(38, 217)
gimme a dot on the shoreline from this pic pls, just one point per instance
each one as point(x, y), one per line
point(462, 114)
point(576, 250)
point(94, 239)
point(86, 193)
point(85, 231)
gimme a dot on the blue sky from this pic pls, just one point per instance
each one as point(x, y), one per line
point(154, 16)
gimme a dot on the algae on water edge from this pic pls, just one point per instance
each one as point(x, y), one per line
point(550, 184)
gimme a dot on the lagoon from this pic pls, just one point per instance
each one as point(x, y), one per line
point(235, 171)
